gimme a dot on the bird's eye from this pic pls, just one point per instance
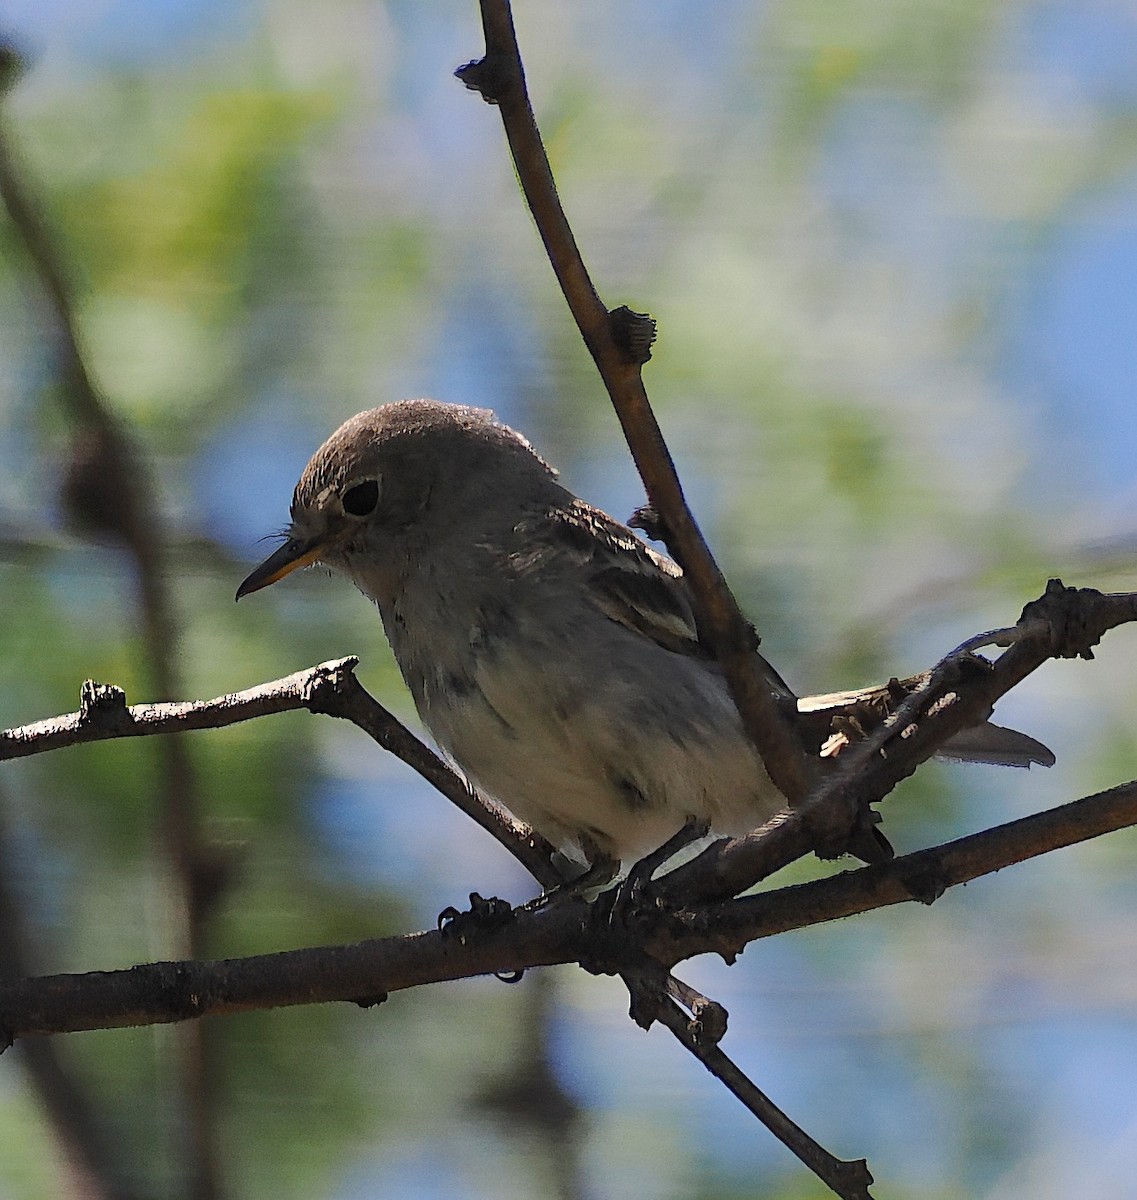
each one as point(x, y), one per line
point(361, 499)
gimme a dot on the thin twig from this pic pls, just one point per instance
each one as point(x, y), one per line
point(848, 1179)
point(104, 713)
point(657, 996)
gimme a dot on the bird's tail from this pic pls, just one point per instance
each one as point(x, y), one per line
point(843, 717)
point(998, 745)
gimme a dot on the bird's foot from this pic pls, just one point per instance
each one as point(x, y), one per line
point(600, 872)
point(483, 916)
point(628, 896)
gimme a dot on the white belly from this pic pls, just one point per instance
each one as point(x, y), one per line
point(613, 762)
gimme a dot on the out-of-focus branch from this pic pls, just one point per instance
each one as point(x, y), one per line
point(108, 491)
point(619, 343)
point(69, 1104)
point(529, 1099)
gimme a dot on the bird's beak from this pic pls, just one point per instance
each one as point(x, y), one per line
point(294, 554)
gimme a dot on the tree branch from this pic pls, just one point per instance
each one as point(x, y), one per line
point(108, 490)
point(922, 876)
point(657, 996)
point(570, 931)
point(848, 1179)
point(958, 692)
point(74, 1113)
point(619, 343)
point(330, 688)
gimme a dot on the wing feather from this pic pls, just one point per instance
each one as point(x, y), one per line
point(627, 580)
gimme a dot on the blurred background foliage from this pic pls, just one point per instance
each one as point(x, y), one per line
point(893, 255)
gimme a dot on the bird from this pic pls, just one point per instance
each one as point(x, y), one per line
point(553, 654)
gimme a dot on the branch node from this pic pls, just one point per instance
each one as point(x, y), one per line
point(633, 334)
point(835, 838)
point(491, 77)
point(647, 518)
point(1085, 625)
point(644, 1005)
point(1075, 623)
point(602, 959)
point(324, 685)
point(482, 917)
point(103, 706)
point(854, 1174)
point(708, 1022)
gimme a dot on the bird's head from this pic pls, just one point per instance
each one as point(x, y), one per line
point(393, 475)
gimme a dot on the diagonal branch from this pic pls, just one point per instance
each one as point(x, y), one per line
point(849, 1179)
point(330, 688)
point(619, 343)
point(959, 692)
point(657, 996)
point(922, 876)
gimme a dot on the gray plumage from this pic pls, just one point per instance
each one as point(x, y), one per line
point(551, 653)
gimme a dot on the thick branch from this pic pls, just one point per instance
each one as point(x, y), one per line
point(565, 932)
point(361, 973)
point(922, 876)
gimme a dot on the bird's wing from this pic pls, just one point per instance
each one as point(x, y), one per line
point(626, 579)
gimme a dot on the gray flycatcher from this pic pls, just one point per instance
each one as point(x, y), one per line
point(552, 654)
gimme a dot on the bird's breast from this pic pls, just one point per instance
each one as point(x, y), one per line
point(580, 727)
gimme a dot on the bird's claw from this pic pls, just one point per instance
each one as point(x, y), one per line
point(483, 916)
